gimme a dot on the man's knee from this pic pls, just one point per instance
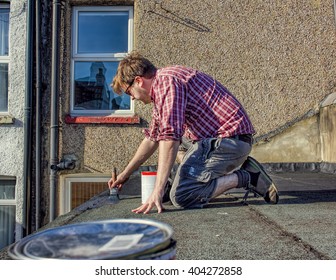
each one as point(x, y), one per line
point(188, 200)
point(179, 199)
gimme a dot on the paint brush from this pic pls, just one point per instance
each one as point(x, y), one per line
point(114, 192)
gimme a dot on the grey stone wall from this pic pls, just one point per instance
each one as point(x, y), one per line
point(11, 134)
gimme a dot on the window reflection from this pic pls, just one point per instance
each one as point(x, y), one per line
point(92, 90)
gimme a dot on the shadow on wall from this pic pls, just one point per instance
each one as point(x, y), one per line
point(173, 16)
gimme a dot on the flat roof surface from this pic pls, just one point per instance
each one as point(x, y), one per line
point(301, 227)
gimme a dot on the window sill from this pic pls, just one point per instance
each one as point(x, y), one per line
point(102, 120)
point(6, 119)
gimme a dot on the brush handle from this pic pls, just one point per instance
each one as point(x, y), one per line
point(114, 174)
point(114, 191)
point(114, 177)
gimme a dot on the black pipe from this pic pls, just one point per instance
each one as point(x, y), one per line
point(37, 114)
point(335, 11)
point(27, 150)
point(54, 107)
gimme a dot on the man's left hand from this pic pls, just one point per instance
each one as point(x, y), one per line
point(154, 200)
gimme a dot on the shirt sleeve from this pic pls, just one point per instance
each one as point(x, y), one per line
point(169, 109)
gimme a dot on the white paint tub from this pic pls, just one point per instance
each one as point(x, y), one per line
point(148, 179)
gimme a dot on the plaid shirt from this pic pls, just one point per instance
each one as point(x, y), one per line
point(190, 103)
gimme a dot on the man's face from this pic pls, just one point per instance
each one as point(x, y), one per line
point(138, 91)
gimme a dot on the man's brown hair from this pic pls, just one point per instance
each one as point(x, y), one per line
point(134, 64)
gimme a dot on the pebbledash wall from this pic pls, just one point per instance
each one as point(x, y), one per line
point(277, 57)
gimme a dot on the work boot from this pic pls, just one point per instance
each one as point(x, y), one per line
point(244, 179)
point(260, 183)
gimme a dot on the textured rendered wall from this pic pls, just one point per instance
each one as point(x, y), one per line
point(11, 135)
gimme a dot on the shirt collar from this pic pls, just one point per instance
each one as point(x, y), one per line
point(153, 86)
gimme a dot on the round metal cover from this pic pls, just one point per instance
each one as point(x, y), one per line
point(108, 239)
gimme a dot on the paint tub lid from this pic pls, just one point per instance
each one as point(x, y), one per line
point(149, 173)
point(108, 239)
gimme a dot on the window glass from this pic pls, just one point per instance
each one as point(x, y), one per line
point(4, 51)
point(102, 32)
point(92, 87)
point(7, 189)
point(3, 87)
point(4, 28)
point(7, 212)
point(7, 225)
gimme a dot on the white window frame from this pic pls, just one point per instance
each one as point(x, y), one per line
point(65, 187)
point(106, 57)
point(5, 59)
point(8, 202)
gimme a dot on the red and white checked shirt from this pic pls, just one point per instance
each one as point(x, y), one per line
point(192, 104)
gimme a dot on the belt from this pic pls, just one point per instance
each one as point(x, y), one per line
point(243, 137)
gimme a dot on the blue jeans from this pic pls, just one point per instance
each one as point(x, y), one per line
point(204, 162)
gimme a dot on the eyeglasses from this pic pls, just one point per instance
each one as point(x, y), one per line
point(127, 89)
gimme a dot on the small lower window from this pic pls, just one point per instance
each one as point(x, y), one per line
point(7, 211)
point(77, 189)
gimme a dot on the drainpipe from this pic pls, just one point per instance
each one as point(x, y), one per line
point(38, 115)
point(27, 151)
point(54, 107)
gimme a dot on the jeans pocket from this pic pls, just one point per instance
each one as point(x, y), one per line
point(211, 146)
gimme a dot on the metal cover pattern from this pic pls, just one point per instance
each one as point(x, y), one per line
point(108, 239)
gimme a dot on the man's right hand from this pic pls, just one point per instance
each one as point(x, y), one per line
point(117, 182)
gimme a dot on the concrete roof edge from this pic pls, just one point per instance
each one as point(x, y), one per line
point(329, 100)
point(267, 136)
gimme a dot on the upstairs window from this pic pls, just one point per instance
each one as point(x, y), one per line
point(4, 57)
point(101, 37)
